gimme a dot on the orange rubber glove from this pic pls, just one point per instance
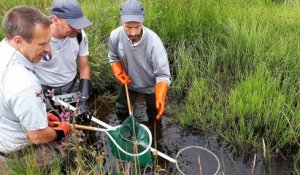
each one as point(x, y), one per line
point(161, 90)
point(120, 74)
point(52, 118)
point(62, 129)
point(63, 126)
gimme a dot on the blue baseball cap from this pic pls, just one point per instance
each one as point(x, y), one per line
point(132, 11)
point(71, 12)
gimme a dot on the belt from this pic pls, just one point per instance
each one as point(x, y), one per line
point(62, 89)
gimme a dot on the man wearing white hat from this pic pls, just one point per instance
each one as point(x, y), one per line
point(69, 43)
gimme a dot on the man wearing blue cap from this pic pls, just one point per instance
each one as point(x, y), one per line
point(69, 43)
point(139, 59)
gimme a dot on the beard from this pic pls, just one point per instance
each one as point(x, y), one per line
point(135, 38)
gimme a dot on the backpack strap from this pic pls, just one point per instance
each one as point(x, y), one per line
point(79, 38)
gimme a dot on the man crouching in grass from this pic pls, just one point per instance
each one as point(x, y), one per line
point(23, 116)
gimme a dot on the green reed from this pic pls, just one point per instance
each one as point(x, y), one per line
point(240, 74)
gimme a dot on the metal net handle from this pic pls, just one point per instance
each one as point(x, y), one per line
point(72, 108)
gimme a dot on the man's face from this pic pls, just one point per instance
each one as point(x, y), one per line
point(133, 31)
point(65, 29)
point(39, 44)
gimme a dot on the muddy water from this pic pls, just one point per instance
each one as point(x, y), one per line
point(170, 138)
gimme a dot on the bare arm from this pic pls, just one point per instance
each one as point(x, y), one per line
point(84, 67)
point(42, 136)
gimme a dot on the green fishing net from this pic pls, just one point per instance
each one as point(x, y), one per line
point(133, 138)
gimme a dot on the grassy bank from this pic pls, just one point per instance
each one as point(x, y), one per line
point(235, 64)
point(241, 74)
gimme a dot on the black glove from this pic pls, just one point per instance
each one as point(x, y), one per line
point(84, 116)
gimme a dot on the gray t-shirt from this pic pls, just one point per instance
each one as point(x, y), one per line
point(61, 67)
point(145, 62)
point(21, 107)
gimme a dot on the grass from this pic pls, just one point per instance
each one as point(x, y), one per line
point(235, 65)
point(239, 76)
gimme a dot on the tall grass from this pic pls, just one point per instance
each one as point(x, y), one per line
point(240, 72)
point(256, 107)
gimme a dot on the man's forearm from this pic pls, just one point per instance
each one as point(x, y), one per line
point(42, 136)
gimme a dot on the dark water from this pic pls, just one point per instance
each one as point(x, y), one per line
point(170, 138)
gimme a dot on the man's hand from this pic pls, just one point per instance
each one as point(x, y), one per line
point(120, 74)
point(62, 129)
point(52, 118)
point(84, 117)
point(161, 90)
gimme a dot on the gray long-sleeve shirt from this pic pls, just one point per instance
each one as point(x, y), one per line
point(146, 63)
